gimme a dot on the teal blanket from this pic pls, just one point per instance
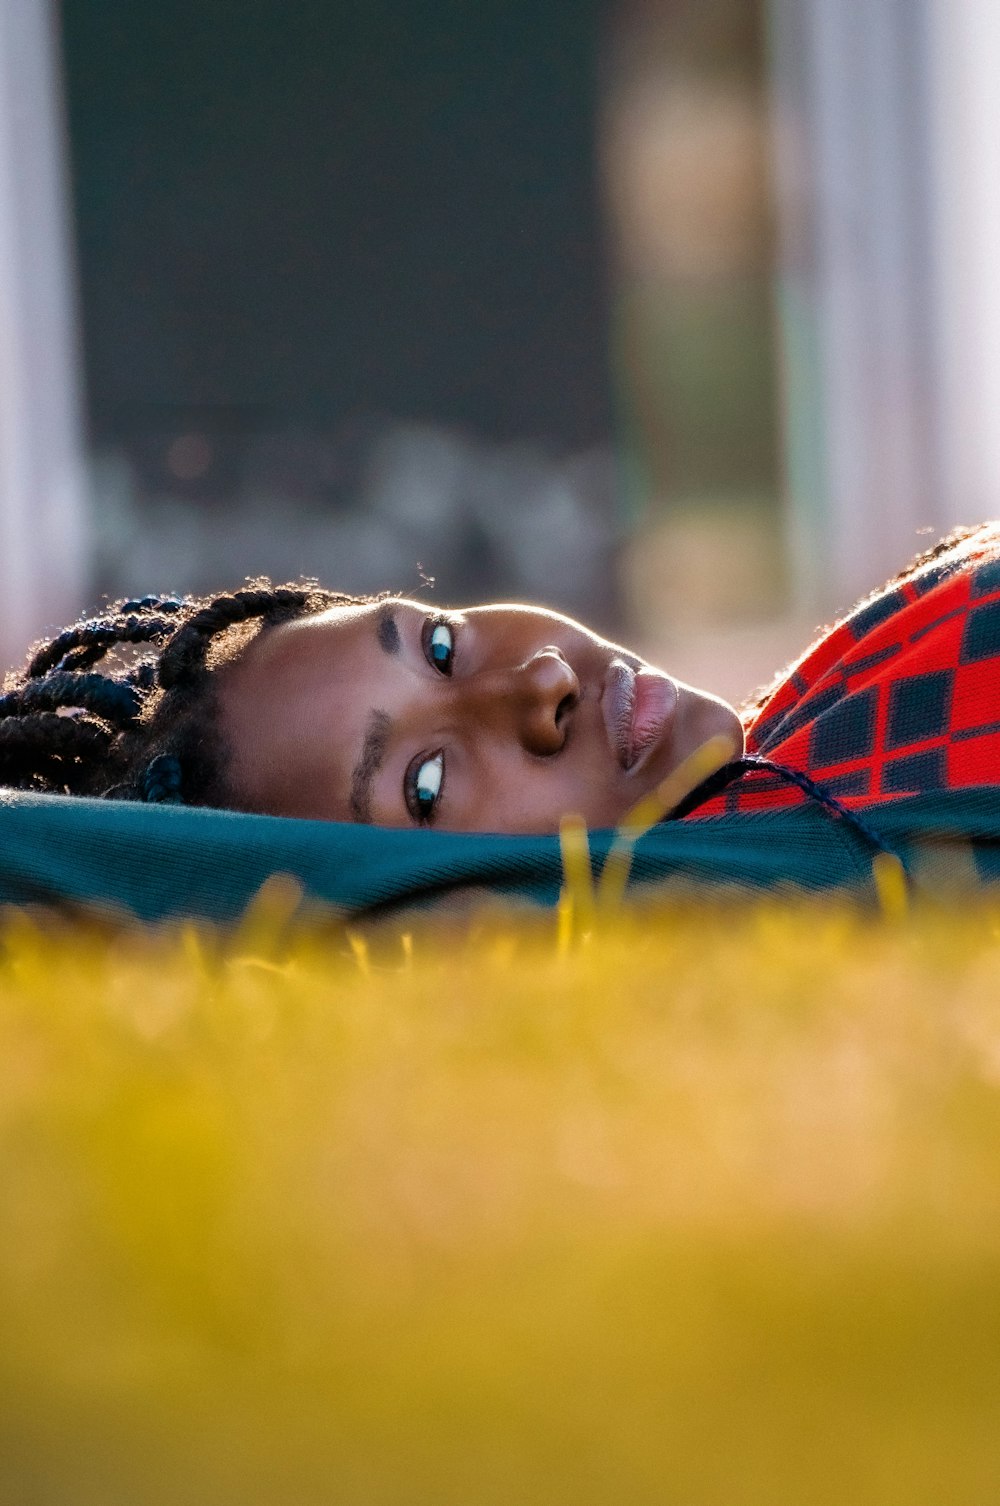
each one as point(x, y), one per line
point(158, 861)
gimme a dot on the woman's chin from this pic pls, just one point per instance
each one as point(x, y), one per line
point(701, 716)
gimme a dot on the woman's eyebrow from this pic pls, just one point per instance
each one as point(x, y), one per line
point(387, 628)
point(379, 727)
point(376, 741)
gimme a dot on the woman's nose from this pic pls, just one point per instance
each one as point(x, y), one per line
point(532, 699)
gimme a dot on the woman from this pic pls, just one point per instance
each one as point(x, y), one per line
point(295, 701)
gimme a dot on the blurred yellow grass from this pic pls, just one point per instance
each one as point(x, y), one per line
point(704, 1210)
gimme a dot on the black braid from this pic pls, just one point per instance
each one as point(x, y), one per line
point(163, 781)
point(186, 652)
point(88, 642)
point(153, 603)
point(143, 675)
point(46, 751)
point(141, 728)
point(116, 701)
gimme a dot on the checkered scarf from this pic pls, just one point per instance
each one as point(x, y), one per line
point(900, 698)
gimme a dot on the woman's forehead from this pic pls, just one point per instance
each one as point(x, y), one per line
point(352, 622)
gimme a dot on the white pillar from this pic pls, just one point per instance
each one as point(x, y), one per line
point(43, 568)
point(965, 174)
point(857, 290)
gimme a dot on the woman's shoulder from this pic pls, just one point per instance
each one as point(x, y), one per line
point(966, 554)
point(901, 697)
point(903, 693)
point(963, 549)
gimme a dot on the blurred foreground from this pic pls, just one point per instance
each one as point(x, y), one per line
point(703, 1210)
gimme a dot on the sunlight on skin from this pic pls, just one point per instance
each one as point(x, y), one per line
point(499, 718)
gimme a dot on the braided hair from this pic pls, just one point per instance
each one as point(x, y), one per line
point(123, 705)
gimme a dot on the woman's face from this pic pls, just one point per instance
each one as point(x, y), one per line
point(499, 718)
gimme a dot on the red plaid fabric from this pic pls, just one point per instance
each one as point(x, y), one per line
point(900, 698)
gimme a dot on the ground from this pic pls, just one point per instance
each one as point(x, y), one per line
point(701, 1206)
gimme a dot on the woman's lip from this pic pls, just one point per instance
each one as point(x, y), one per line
point(617, 704)
point(637, 707)
point(656, 697)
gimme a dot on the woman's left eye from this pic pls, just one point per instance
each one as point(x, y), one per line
point(439, 646)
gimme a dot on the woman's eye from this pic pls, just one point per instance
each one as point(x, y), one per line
point(440, 646)
point(423, 787)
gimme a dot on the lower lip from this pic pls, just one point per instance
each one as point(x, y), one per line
point(642, 707)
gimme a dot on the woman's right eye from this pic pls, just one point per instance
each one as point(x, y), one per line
point(439, 645)
point(424, 779)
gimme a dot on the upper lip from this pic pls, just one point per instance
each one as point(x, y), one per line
point(618, 707)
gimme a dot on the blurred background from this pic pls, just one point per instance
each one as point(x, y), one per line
point(676, 314)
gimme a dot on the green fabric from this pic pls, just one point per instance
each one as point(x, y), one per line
point(163, 861)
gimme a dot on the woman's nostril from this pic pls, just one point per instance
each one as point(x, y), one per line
point(565, 707)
